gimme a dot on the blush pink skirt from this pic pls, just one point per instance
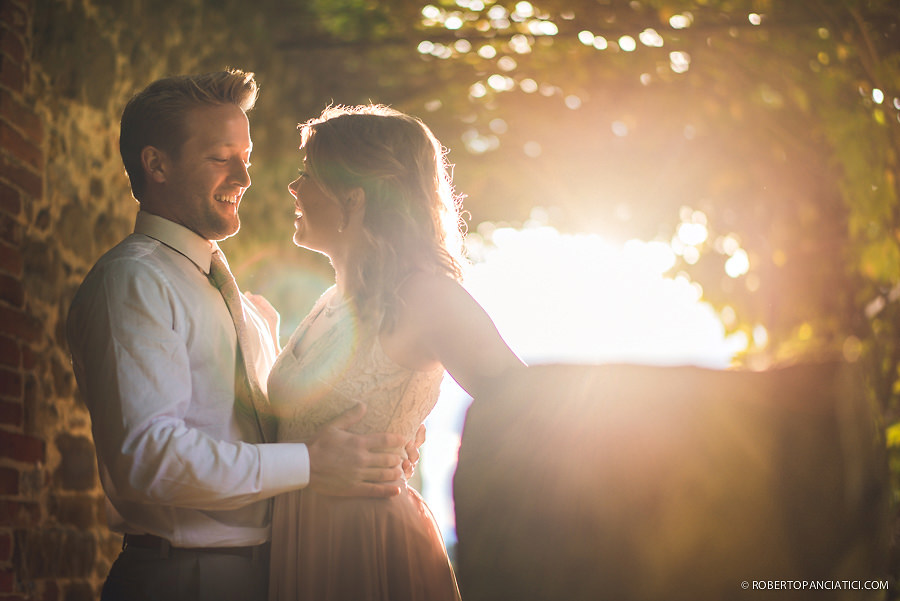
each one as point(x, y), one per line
point(346, 548)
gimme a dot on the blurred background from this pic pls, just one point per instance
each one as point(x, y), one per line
point(705, 182)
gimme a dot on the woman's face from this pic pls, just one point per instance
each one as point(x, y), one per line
point(319, 219)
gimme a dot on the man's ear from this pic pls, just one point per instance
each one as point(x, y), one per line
point(155, 163)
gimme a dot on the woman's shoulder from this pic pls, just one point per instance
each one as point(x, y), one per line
point(425, 293)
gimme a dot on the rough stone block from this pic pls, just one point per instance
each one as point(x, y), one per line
point(44, 277)
point(55, 553)
point(639, 483)
point(73, 230)
point(77, 467)
point(78, 511)
point(79, 591)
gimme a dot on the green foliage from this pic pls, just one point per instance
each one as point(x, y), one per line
point(774, 122)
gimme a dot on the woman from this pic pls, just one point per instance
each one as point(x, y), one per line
point(375, 196)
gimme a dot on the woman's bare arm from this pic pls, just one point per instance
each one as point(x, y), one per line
point(440, 322)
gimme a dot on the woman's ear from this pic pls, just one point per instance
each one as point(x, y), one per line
point(154, 162)
point(356, 200)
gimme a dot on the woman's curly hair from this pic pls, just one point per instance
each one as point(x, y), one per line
point(412, 216)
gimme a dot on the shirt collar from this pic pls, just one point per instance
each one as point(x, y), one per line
point(177, 237)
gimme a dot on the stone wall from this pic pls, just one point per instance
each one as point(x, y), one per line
point(66, 70)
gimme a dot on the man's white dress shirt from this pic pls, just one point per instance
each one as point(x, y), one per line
point(153, 348)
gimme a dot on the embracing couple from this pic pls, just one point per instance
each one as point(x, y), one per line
point(240, 469)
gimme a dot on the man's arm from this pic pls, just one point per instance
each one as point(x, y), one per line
point(133, 369)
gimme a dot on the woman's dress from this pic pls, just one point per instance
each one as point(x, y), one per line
point(347, 548)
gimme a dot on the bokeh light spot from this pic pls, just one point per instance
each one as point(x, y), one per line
point(679, 61)
point(651, 38)
point(487, 51)
point(532, 149)
point(528, 85)
point(737, 264)
point(453, 22)
point(681, 21)
point(627, 43)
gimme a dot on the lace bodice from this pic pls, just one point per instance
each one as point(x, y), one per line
point(341, 366)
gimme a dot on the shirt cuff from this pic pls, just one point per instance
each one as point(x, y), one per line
point(283, 467)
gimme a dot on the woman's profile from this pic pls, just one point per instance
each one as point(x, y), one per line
point(375, 196)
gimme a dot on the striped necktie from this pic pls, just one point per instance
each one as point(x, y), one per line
point(247, 392)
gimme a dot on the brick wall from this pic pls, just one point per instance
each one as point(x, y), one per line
point(22, 452)
point(67, 68)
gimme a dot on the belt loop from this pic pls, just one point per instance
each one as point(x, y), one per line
point(164, 547)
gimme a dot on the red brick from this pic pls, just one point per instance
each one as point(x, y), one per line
point(21, 148)
point(10, 353)
point(12, 74)
point(14, 16)
point(18, 324)
point(21, 176)
point(10, 200)
point(51, 591)
point(12, 45)
point(6, 545)
point(9, 485)
point(21, 447)
point(29, 358)
point(12, 413)
point(11, 260)
point(7, 580)
point(11, 230)
point(11, 291)
point(21, 514)
point(10, 384)
point(21, 117)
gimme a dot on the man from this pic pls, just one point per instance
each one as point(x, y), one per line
point(179, 443)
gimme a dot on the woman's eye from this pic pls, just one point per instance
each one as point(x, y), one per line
point(301, 172)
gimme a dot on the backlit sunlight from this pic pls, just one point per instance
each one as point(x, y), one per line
point(575, 299)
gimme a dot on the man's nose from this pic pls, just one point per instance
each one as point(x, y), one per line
point(241, 174)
